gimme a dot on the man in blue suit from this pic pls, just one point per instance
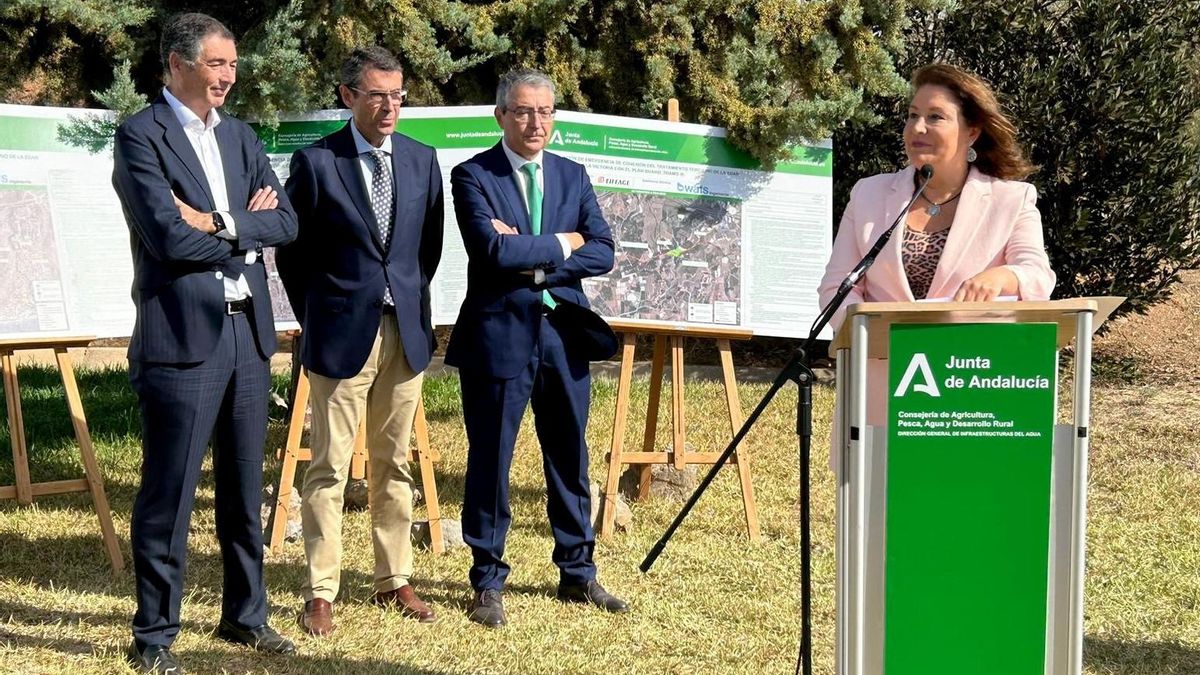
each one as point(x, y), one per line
point(370, 206)
point(201, 202)
point(532, 230)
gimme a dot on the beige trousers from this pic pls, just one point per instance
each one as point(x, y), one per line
point(387, 391)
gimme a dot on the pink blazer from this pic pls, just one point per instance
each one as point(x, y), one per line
point(997, 223)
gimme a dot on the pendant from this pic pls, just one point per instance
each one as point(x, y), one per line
point(935, 209)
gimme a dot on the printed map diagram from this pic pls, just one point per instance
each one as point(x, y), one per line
point(29, 267)
point(677, 258)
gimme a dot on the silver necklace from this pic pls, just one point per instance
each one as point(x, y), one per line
point(936, 207)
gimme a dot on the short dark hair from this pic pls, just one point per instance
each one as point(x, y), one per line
point(368, 57)
point(183, 34)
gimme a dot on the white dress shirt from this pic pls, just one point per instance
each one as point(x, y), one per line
point(203, 137)
point(364, 148)
point(517, 162)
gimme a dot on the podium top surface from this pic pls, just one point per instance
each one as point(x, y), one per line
point(882, 315)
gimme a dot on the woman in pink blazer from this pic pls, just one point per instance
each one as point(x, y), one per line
point(975, 234)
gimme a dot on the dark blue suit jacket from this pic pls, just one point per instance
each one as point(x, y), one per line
point(500, 318)
point(335, 271)
point(180, 298)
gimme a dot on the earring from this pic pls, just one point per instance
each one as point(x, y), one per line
point(972, 155)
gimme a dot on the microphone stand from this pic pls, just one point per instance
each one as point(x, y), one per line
point(796, 371)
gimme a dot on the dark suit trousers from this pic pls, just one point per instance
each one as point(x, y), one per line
point(560, 390)
point(183, 406)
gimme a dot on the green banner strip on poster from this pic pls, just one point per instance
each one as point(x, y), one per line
point(970, 434)
point(34, 134)
point(41, 134)
point(592, 139)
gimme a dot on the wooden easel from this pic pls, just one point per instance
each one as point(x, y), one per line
point(677, 456)
point(292, 454)
point(673, 336)
point(93, 483)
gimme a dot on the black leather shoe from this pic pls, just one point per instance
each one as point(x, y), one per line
point(487, 608)
point(592, 593)
point(261, 638)
point(153, 660)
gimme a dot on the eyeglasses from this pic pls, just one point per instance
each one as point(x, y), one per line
point(376, 98)
point(524, 114)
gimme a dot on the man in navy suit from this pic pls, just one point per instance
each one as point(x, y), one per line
point(371, 211)
point(532, 230)
point(201, 202)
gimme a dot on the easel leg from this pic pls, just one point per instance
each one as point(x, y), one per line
point(91, 468)
point(291, 453)
point(428, 480)
point(735, 423)
point(16, 429)
point(656, 374)
point(608, 506)
point(678, 448)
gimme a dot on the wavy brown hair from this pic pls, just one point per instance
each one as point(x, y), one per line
point(1000, 154)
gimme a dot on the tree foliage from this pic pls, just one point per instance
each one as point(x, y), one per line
point(773, 72)
point(1106, 95)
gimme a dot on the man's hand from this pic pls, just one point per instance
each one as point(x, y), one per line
point(198, 220)
point(501, 228)
point(263, 199)
point(987, 285)
point(575, 239)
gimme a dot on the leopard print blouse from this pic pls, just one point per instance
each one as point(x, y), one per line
point(921, 252)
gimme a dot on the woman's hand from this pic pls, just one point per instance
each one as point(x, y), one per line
point(988, 285)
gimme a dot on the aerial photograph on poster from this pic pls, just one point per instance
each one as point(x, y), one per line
point(678, 258)
point(29, 266)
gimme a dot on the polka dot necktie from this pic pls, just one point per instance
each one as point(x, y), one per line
point(534, 193)
point(382, 205)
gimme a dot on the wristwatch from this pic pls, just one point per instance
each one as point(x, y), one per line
point(218, 223)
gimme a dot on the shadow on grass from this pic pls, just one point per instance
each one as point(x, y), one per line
point(238, 659)
point(1121, 657)
point(64, 645)
point(77, 563)
point(457, 595)
point(109, 407)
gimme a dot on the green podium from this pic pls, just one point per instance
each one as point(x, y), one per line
point(961, 502)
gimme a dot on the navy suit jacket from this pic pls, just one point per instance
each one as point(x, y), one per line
point(500, 317)
point(177, 286)
point(335, 271)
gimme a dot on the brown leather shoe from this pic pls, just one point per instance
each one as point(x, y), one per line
point(317, 617)
point(406, 601)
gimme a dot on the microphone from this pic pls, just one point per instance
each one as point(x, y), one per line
point(926, 173)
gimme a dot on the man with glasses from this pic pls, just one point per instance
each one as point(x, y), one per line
point(370, 208)
point(201, 202)
point(532, 230)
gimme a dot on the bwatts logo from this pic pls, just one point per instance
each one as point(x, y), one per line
point(605, 180)
point(918, 364)
point(696, 189)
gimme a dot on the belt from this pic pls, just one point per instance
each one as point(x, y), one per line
point(389, 310)
point(237, 306)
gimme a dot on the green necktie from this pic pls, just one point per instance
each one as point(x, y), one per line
point(535, 214)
